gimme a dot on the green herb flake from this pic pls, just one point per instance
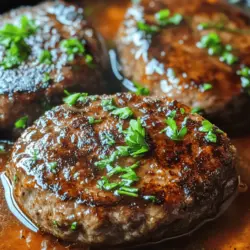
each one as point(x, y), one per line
point(52, 166)
point(13, 39)
point(149, 29)
point(107, 138)
point(2, 149)
point(172, 130)
point(15, 179)
point(72, 99)
point(72, 47)
point(127, 193)
point(245, 77)
point(73, 226)
point(206, 87)
point(104, 184)
point(213, 43)
point(123, 113)
point(182, 110)
point(136, 138)
point(46, 77)
point(163, 18)
point(150, 198)
point(196, 110)
point(108, 104)
point(22, 122)
point(45, 57)
point(207, 127)
point(140, 90)
point(92, 120)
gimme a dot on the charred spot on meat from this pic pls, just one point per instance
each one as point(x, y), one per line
point(44, 50)
point(121, 169)
point(193, 51)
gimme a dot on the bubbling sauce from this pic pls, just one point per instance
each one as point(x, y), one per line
point(230, 231)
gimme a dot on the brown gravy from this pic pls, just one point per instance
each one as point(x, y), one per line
point(230, 231)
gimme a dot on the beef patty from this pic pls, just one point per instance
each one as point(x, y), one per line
point(194, 51)
point(121, 169)
point(44, 50)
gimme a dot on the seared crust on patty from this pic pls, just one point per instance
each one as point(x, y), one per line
point(189, 179)
point(171, 63)
point(28, 89)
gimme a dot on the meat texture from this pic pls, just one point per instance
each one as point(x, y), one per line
point(109, 171)
point(64, 52)
point(177, 53)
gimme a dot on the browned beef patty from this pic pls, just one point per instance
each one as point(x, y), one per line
point(88, 175)
point(29, 88)
point(172, 61)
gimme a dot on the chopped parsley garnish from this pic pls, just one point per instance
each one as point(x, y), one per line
point(22, 122)
point(163, 18)
point(107, 161)
point(92, 120)
point(172, 130)
point(73, 226)
point(107, 138)
point(123, 113)
point(182, 110)
point(196, 110)
point(245, 78)
point(13, 39)
point(135, 138)
point(35, 155)
point(108, 104)
point(45, 57)
point(52, 166)
point(150, 198)
point(149, 29)
point(104, 183)
point(72, 99)
point(2, 148)
point(212, 42)
point(206, 87)
point(89, 60)
point(140, 90)
point(72, 47)
point(221, 26)
point(207, 127)
point(15, 179)
point(46, 77)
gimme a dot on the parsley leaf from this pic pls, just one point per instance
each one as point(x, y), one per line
point(73, 226)
point(135, 138)
point(196, 110)
point(52, 166)
point(108, 104)
point(150, 198)
point(72, 99)
point(172, 130)
point(207, 127)
point(46, 77)
point(213, 43)
point(12, 38)
point(92, 120)
point(104, 183)
point(107, 138)
point(206, 87)
point(22, 122)
point(245, 78)
point(140, 90)
point(72, 47)
point(45, 57)
point(163, 18)
point(149, 29)
point(123, 113)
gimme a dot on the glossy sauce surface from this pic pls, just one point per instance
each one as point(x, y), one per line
point(230, 231)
